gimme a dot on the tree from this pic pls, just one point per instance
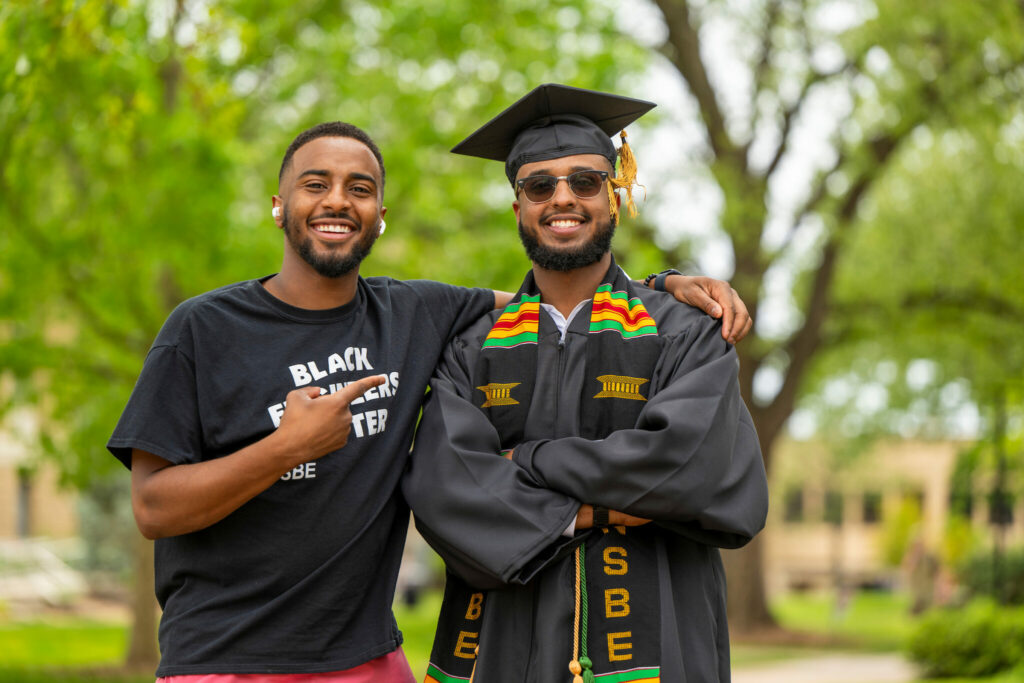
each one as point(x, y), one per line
point(864, 77)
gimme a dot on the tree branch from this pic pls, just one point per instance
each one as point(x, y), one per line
point(801, 347)
point(793, 110)
point(685, 55)
point(762, 67)
point(765, 59)
point(851, 322)
point(171, 71)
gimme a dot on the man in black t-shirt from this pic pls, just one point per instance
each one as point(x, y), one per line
point(268, 431)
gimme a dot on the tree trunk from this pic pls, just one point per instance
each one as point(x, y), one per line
point(143, 653)
point(748, 611)
point(748, 603)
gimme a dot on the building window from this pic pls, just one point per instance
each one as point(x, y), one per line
point(871, 512)
point(1000, 508)
point(834, 508)
point(793, 506)
point(23, 514)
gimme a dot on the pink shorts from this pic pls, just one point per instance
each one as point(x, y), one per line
point(390, 668)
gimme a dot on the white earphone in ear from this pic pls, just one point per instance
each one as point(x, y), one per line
point(276, 212)
point(383, 225)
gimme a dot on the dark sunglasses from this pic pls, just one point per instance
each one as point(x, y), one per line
point(541, 188)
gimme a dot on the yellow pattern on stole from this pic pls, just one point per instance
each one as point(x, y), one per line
point(499, 394)
point(620, 386)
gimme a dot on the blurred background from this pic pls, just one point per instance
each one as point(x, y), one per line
point(854, 168)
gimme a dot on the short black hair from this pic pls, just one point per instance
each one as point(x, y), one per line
point(331, 129)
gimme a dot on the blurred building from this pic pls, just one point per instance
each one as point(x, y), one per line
point(38, 518)
point(32, 504)
point(870, 520)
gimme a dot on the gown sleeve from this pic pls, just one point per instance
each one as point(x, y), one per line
point(692, 463)
point(485, 516)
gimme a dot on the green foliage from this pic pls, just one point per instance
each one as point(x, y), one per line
point(959, 539)
point(900, 527)
point(962, 481)
point(923, 214)
point(140, 143)
point(957, 296)
point(980, 639)
point(1000, 578)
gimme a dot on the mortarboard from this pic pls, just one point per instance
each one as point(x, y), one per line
point(553, 121)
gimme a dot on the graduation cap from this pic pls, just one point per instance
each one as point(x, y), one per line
point(553, 121)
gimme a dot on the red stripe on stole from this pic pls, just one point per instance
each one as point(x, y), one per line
point(632, 317)
point(520, 318)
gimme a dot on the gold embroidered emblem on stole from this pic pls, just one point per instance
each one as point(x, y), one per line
point(619, 386)
point(499, 394)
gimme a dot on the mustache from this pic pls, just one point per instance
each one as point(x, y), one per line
point(339, 215)
point(582, 215)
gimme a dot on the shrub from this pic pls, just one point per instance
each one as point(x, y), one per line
point(980, 639)
point(978, 576)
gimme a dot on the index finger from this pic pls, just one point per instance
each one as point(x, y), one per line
point(729, 315)
point(742, 321)
point(352, 391)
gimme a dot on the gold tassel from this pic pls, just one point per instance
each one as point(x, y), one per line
point(575, 669)
point(611, 200)
point(625, 179)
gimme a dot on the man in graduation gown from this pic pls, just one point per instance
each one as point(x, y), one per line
point(584, 453)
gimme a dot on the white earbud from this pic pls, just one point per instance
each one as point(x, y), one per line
point(276, 212)
point(383, 225)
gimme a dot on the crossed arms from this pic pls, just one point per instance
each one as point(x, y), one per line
point(692, 464)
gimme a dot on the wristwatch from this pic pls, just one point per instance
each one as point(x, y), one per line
point(659, 279)
point(600, 516)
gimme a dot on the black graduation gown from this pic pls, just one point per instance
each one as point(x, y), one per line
point(692, 464)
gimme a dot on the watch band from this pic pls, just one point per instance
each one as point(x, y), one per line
point(659, 278)
point(600, 516)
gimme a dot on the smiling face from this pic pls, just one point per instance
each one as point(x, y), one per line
point(331, 200)
point(565, 232)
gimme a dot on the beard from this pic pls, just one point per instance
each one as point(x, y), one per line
point(570, 258)
point(327, 264)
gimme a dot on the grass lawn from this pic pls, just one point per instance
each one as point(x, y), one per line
point(1015, 676)
point(876, 620)
point(417, 625)
point(71, 650)
point(61, 643)
point(24, 675)
point(868, 622)
point(64, 650)
point(83, 651)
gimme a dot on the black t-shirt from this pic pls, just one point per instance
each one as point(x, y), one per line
point(301, 577)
